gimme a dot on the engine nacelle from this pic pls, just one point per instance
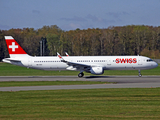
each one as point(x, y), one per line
point(96, 70)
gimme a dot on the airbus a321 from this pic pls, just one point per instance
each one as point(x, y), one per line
point(91, 64)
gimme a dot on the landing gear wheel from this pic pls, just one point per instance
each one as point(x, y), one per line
point(139, 73)
point(81, 74)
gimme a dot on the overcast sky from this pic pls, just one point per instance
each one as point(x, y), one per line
point(83, 14)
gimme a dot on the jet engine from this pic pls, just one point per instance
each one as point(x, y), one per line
point(96, 70)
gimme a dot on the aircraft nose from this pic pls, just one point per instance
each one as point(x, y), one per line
point(155, 65)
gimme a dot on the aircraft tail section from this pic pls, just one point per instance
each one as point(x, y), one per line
point(14, 49)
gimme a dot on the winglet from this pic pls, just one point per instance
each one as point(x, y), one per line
point(60, 57)
point(66, 54)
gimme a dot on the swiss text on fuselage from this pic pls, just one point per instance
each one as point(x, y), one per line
point(126, 60)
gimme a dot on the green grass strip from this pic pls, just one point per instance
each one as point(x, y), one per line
point(13, 70)
point(92, 104)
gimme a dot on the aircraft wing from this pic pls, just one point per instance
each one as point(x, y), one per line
point(73, 64)
point(76, 64)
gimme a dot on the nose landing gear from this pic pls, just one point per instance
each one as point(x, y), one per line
point(139, 71)
point(80, 74)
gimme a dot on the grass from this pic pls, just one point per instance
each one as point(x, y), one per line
point(92, 104)
point(12, 70)
point(42, 83)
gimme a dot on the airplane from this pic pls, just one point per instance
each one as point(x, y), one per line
point(91, 64)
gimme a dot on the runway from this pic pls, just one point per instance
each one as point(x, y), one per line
point(120, 82)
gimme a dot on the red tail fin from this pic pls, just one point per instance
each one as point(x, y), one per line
point(14, 49)
point(13, 46)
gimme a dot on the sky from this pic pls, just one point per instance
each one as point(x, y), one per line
point(82, 14)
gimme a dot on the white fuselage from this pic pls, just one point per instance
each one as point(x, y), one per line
point(106, 62)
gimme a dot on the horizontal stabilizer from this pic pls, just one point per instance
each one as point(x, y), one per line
point(11, 60)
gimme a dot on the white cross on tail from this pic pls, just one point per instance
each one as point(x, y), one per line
point(13, 46)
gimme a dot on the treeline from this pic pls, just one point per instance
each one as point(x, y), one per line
point(126, 40)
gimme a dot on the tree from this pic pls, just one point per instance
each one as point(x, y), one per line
point(53, 43)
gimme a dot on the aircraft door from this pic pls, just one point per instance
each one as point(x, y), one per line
point(139, 61)
point(108, 62)
point(29, 61)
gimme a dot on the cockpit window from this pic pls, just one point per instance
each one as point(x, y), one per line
point(149, 60)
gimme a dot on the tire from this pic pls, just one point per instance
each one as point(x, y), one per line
point(140, 75)
point(80, 75)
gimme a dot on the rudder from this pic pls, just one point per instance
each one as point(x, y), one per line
point(14, 48)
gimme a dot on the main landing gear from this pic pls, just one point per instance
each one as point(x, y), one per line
point(139, 73)
point(81, 74)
